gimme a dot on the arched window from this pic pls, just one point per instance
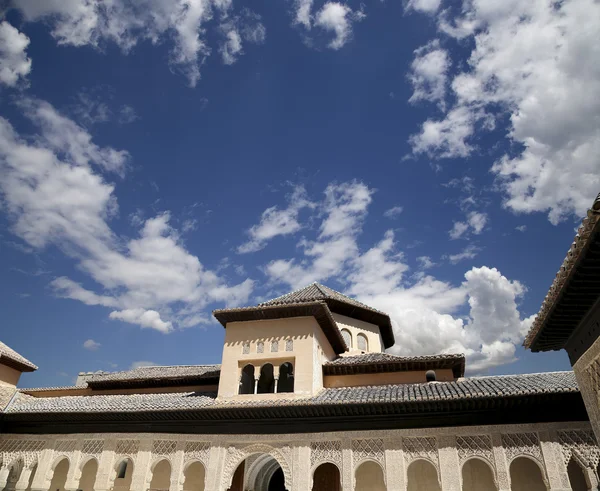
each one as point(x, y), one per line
point(362, 343)
point(266, 382)
point(477, 476)
point(347, 337)
point(286, 378)
point(525, 475)
point(247, 380)
point(274, 346)
point(422, 475)
point(122, 470)
point(576, 476)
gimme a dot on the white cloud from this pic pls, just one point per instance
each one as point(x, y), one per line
point(468, 252)
point(144, 318)
point(54, 191)
point(425, 6)
point(142, 364)
point(532, 61)
point(232, 46)
point(475, 223)
point(302, 12)
point(338, 18)
point(91, 345)
point(98, 22)
point(247, 28)
point(429, 72)
point(521, 228)
point(275, 222)
point(393, 212)
point(14, 63)
point(422, 308)
point(127, 115)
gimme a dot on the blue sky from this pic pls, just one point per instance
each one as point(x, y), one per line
point(160, 160)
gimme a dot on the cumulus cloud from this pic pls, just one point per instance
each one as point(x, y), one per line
point(468, 252)
point(275, 222)
point(302, 12)
point(425, 6)
point(532, 61)
point(91, 345)
point(236, 31)
point(14, 63)
point(475, 223)
point(55, 191)
point(95, 23)
point(338, 18)
point(424, 309)
point(428, 73)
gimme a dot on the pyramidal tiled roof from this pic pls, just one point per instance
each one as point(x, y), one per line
point(314, 292)
point(9, 356)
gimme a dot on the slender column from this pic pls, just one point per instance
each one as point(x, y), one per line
point(23, 481)
point(177, 468)
point(106, 474)
point(256, 385)
point(216, 463)
point(4, 472)
point(74, 473)
point(395, 474)
point(347, 467)
point(553, 463)
point(592, 480)
point(301, 467)
point(502, 469)
point(141, 469)
point(40, 480)
point(449, 464)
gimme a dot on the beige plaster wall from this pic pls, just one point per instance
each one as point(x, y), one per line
point(355, 326)
point(88, 475)
point(194, 477)
point(369, 477)
point(161, 475)
point(477, 476)
point(9, 376)
point(302, 330)
point(422, 476)
point(412, 377)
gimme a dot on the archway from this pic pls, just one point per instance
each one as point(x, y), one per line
point(124, 473)
point(477, 475)
point(327, 478)
point(247, 380)
point(369, 477)
point(88, 475)
point(59, 478)
point(13, 475)
point(286, 378)
point(266, 382)
point(161, 476)
point(422, 476)
point(576, 476)
point(526, 475)
point(194, 475)
point(258, 472)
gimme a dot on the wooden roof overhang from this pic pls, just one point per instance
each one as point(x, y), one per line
point(319, 310)
point(16, 364)
point(514, 409)
point(209, 379)
point(456, 363)
point(574, 292)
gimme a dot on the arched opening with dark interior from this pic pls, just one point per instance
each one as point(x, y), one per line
point(422, 476)
point(369, 477)
point(526, 475)
point(194, 476)
point(161, 476)
point(88, 475)
point(13, 475)
point(59, 478)
point(266, 382)
point(247, 380)
point(362, 343)
point(258, 472)
point(124, 473)
point(477, 476)
point(327, 478)
point(286, 378)
point(576, 476)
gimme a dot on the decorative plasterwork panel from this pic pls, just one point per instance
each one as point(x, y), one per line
point(420, 447)
point(582, 443)
point(475, 446)
point(274, 346)
point(260, 347)
point(516, 444)
point(92, 447)
point(593, 375)
point(326, 451)
point(289, 345)
point(197, 451)
point(163, 448)
point(63, 446)
point(26, 451)
point(246, 348)
point(367, 449)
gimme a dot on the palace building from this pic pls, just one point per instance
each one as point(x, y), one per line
point(305, 399)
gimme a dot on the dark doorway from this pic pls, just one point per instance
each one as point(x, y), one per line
point(277, 482)
point(327, 478)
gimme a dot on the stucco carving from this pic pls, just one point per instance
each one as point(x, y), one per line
point(516, 444)
point(92, 447)
point(164, 448)
point(582, 444)
point(421, 448)
point(197, 451)
point(475, 446)
point(26, 450)
point(371, 449)
point(326, 451)
point(63, 446)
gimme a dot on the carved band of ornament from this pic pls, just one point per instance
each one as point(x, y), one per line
point(516, 444)
point(420, 447)
point(127, 447)
point(326, 451)
point(475, 446)
point(237, 454)
point(63, 446)
point(367, 449)
point(164, 447)
point(197, 451)
point(581, 444)
point(92, 447)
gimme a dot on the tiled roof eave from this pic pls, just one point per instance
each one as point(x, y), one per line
point(588, 232)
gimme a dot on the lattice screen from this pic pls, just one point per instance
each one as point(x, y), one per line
point(583, 442)
point(164, 447)
point(327, 451)
point(197, 451)
point(471, 445)
point(521, 443)
point(367, 449)
point(93, 447)
point(65, 446)
point(420, 447)
point(127, 447)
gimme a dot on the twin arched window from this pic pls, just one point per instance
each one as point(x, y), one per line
point(361, 340)
point(267, 383)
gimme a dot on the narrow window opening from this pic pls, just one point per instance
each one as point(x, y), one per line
point(266, 382)
point(362, 343)
point(122, 470)
point(286, 378)
point(347, 337)
point(247, 380)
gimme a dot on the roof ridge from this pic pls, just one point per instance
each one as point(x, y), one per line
point(517, 375)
